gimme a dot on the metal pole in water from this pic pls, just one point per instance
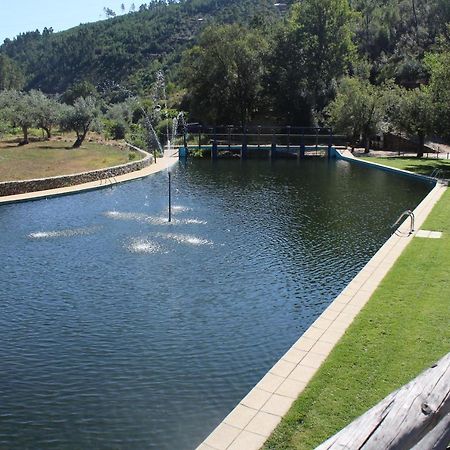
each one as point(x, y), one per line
point(170, 196)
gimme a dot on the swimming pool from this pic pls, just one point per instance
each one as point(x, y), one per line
point(120, 330)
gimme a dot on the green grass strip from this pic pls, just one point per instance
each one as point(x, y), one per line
point(424, 166)
point(402, 330)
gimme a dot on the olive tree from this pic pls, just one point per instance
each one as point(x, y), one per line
point(16, 109)
point(80, 118)
point(46, 111)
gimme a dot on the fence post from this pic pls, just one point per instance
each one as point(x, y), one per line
point(214, 152)
point(330, 142)
point(244, 144)
point(288, 137)
point(273, 147)
point(259, 137)
point(302, 145)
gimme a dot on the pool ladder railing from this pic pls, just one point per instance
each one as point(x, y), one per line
point(407, 213)
point(437, 173)
point(111, 179)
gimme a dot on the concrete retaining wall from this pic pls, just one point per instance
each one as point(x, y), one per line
point(345, 155)
point(43, 184)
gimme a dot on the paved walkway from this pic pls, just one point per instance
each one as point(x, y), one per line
point(161, 164)
point(252, 421)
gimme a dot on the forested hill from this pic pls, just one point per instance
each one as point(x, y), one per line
point(128, 48)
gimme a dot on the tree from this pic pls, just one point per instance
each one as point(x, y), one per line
point(413, 114)
point(11, 77)
point(17, 110)
point(46, 111)
point(358, 109)
point(109, 12)
point(119, 117)
point(80, 118)
point(439, 66)
point(77, 90)
point(313, 51)
point(223, 74)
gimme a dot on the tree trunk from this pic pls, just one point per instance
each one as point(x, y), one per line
point(421, 146)
point(366, 143)
point(48, 132)
point(78, 142)
point(25, 135)
point(80, 139)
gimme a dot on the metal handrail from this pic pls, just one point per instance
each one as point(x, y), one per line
point(409, 214)
point(436, 173)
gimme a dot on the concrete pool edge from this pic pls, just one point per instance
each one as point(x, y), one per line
point(346, 155)
point(253, 420)
point(160, 165)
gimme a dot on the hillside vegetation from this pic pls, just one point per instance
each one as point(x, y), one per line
point(128, 48)
point(361, 66)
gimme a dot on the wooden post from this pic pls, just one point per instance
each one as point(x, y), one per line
point(229, 137)
point(415, 416)
point(199, 137)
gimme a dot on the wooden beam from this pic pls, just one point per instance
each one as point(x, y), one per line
point(418, 414)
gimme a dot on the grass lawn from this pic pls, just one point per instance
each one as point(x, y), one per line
point(422, 166)
point(401, 331)
point(51, 158)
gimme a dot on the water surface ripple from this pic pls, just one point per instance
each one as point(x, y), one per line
point(121, 331)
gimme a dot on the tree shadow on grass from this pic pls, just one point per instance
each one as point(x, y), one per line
point(426, 166)
point(53, 147)
point(427, 169)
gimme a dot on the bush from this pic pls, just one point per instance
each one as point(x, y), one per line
point(115, 129)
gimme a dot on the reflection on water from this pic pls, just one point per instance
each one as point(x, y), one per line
point(185, 239)
point(144, 246)
point(133, 333)
point(159, 220)
point(64, 233)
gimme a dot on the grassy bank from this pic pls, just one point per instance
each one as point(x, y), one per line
point(43, 159)
point(400, 332)
point(423, 166)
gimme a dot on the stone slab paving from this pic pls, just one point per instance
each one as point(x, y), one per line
point(161, 164)
point(429, 234)
point(252, 421)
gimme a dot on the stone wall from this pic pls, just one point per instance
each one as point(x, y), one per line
point(43, 184)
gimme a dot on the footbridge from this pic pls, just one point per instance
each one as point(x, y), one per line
point(256, 141)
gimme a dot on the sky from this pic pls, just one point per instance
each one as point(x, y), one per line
point(18, 16)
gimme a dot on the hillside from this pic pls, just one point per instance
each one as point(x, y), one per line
point(127, 48)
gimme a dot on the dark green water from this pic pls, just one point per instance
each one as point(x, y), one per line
point(120, 331)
